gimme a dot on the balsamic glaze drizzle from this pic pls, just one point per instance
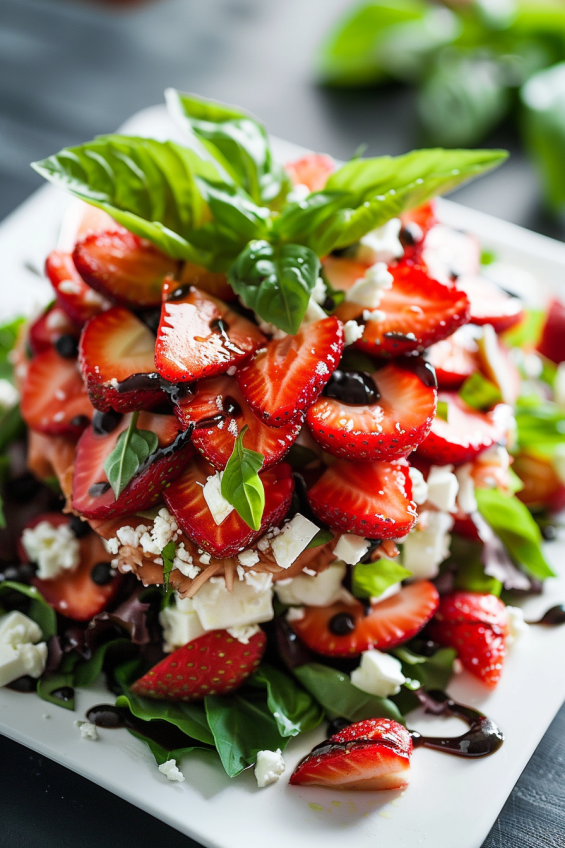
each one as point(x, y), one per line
point(483, 738)
point(552, 617)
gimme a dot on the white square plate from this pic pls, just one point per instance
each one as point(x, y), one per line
point(450, 802)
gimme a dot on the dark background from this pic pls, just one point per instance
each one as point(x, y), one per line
point(71, 70)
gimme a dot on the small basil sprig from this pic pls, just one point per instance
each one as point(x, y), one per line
point(371, 579)
point(168, 556)
point(241, 485)
point(132, 448)
point(276, 281)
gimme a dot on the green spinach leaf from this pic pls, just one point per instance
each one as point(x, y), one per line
point(339, 697)
point(294, 710)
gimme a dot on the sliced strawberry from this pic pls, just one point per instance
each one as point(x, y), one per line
point(186, 501)
point(311, 170)
point(213, 664)
point(552, 342)
point(92, 495)
point(222, 395)
point(286, 376)
point(78, 300)
point(346, 629)
point(392, 425)
point(371, 499)
point(46, 330)
point(369, 755)
point(86, 590)
point(454, 359)
point(465, 433)
point(54, 399)
point(123, 267)
point(199, 336)
point(416, 223)
point(475, 625)
point(419, 311)
point(117, 358)
point(448, 253)
point(490, 304)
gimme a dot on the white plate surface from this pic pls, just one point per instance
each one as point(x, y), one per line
point(450, 802)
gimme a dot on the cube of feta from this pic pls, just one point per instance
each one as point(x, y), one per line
point(217, 504)
point(87, 730)
point(381, 244)
point(442, 487)
point(319, 591)
point(379, 674)
point(180, 624)
point(419, 486)
point(424, 549)
point(220, 609)
point(269, 767)
point(351, 548)
point(466, 499)
point(293, 539)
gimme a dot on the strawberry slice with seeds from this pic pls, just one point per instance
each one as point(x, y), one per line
point(397, 417)
point(475, 625)
point(222, 396)
point(418, 312)
point(490, 304)
point(185, 499)
point(199, 336)
point(54, 399)
point(369, 755)
point(286, 376)
point(78, 300)
point(371, 499)
point(465, 434)
point(346, 629)
point(117, 358)
point(51, 326)
point(311, 170)
point(92, 495)
point(123, 267)
point(213, 664)
point(86, 590)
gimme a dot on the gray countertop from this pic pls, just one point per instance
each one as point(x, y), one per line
point(71, 70)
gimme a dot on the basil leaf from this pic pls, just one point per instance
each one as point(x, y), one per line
point(431, 672)
point(86, 671)
point(371, 579)
point(479, 393)
point(168, 555)
point(241, 485)
point(384, 187)
point(148, 186)
point(442, 410)
point(470, 575)
point(511, 521)
point(132, 448)
point(294, 710)
point(276, 281)
point(164, 754)
point(9, 332)
point(306, 222)
point(234, 212)
point(237, 140)
point(339, 697)
point(241, 729)
point(48, 687)
point(32, 603)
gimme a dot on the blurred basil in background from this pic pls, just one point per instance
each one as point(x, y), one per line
point(474, 63)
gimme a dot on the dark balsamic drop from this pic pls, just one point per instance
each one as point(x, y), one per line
point(483, 738)
point(400, 337)
point(23, 684)
point(104, 423)
point(231, 406)
point(64, 693)
point(356, 388)
point(23, 488)
point(421, 368)
point(549, 532)
point(105, 715)
point(219, 325)
point(411, 234)
point(341, 624)
point(553, 617)
point(140, 383)
point(161, 732)
point(80, 528)
point(102, 573)
point(67, 346)
point(179, 293)
point(98, 489)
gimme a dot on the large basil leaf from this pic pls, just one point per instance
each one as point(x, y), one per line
point(241, 485)
point(132, 449)
point(511, 521)
point(294, 710)
point(241, 729)
point(148, 186)
point(371, 579)
point(239, 142)
point(382, 188)
point(29, 600)
point(306, 221)
point(339, 697)
point(276, 281)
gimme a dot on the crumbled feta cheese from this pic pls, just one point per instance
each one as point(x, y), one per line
point(382, 244)
point(428, 545)
point(184, 563)
point(171, 771)
point(517, 627)
point(87, 730)
point(388, 592)
point(164, 530)
point(260, 580)
point(294, 538)
point(368, 290)
point(9, 395)
point(18, 653)
point(374, 315)
point(245, 633)
point(419, 486)
point(219, 609)
point(217, 504)
point(442, 487)
point(180, 624)
point(131, 536)
point(54, 549)
point(298, 193)
point(352, 332)
point(269, 767)
point(295, 614)
point(319, 292)
point(351, 548)
point(313, 313)
point(112, 545)
point(379, 674)
point(466, 499)
point(248, 558)
point(319, 591)
point(205, 558)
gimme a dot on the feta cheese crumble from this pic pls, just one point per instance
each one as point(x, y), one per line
point(293, 539)
point(171, 771)
point(352, 332)
point(217, 504)
point(87, 730)
point(319, 291)
point(313, 313)
point(368, 290)
point(517, 627)
point(443, 486)
point(54, 549)
point(164, 530)
point(245, 633)
point(19, 653)
point(184, 563)
point(428, 545)
point(419, 486)
point(180, 624)
point(379, 674)
point(269, 767)
point(319, 591)
point(381, 244)
point(248, 558)
point(9, 395)
point(219, 609)
point(466, 499)
point(351, 548)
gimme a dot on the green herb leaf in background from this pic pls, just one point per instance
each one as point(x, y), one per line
point(132, 448)
point(294, 710)
point(276, 281)
point(371, 579)
point(540, 425)
point(339, 697)
point(241, 485)
point(168, 555)
point(9, 331)
point(479, 393)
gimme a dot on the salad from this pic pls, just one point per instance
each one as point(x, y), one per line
point(279, 452)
